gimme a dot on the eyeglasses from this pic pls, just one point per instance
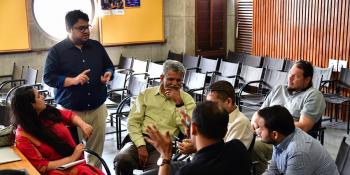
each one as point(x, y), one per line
point(83, 28)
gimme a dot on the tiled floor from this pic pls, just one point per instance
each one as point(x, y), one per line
point(333, 135)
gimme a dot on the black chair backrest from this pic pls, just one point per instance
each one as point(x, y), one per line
point(273, 63)
point(190, 61)
point(343, 159)
point(175, 56)
point(288, 65)
point(314, 130)
point(229, 69)
point(235, 57)
point(252, 60)
point(125, 62)
point(345, 76)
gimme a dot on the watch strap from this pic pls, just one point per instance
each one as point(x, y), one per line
point(165, 161)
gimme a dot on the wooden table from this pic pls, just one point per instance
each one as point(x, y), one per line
point(22, 164)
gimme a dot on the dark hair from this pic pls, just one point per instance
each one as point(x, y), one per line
point(277, 118)
point(32, 123)
point(307, 68)
point(72, 17)
point(224, 90)
point(211, 120)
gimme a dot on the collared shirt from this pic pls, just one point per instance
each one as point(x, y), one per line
point(239, 128)
point(309, 102)
point(152, 108)
point(300, 154)
point(220, 158)
point(66, 60)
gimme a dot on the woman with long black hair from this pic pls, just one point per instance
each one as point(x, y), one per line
point(42, 135)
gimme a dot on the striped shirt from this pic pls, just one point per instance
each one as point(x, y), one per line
point(300, 154)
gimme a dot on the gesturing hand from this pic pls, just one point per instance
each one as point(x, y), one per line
point(82, 78)
point(161, 142)
point(105, 78)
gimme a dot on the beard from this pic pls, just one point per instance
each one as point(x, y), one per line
point(269, 141)
point(290, 89)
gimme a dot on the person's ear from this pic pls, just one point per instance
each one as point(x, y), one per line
point(69, 29)
point(229, 101)
point(274, 135)
point(308, 80)
point(161, 77)
point(194, 129)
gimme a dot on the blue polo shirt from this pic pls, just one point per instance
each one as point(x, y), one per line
point(66, 60)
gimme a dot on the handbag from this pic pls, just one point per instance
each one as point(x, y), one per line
point(7, 136)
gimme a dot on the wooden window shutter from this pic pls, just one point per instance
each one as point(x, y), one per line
point(244, 26)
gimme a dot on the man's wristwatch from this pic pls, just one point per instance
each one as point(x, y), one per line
point(162, 161)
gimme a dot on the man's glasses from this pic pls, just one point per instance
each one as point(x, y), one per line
point(83, 28)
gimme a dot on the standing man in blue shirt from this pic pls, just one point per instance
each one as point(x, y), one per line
point(294, 151)
point(79, 69)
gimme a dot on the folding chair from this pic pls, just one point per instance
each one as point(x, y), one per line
point(337, 97)
point(343, 159)
point(137, 83)
point(28, 77)
point(235, 57)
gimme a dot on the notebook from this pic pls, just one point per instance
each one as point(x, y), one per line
point(68, 165)
point(8, 155)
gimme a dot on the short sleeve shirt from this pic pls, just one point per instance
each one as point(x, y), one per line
point(309, 102)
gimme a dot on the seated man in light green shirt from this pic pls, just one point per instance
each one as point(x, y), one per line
point(159, 106)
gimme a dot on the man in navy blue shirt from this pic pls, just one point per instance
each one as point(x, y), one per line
point(79, 69)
